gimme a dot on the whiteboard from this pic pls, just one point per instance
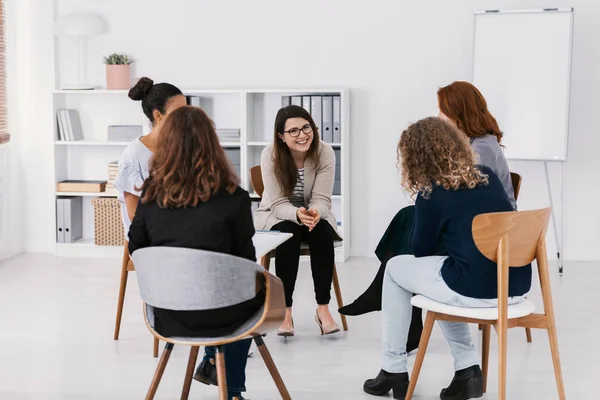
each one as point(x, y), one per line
point(522, 66)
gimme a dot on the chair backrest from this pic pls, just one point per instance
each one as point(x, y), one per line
point(516, 182)
point(176, 278)
point(256, 180)
point(521, 231)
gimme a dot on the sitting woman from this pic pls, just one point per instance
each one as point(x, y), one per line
point(192, 199)
point(298, 174)
point(438, 167)
point(158, 100)
point(463, 106)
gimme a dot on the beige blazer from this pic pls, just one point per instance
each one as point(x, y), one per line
point(275, 207)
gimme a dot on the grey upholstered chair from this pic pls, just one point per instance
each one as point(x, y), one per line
point(186, 279)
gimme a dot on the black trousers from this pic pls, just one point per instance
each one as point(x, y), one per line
point(287, 258)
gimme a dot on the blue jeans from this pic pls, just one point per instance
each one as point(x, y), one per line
point(405, 275)
point(236, 355)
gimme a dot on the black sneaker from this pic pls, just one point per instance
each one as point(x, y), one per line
point(207, 372)
point(386, 381)
point(466, 384)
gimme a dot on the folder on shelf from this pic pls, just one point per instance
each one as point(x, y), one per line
point(316, 112)
point(285, 101)
point(337, 183)
point(72, 216)
point(193, 100)
point(306, 103)
point(337, 120)
point(69, 213)
point(327, 109)
point(297, 100)
point(60, 224)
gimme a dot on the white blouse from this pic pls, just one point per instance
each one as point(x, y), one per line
point(133, 171)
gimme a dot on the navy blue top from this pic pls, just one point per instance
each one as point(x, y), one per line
point(446, 219)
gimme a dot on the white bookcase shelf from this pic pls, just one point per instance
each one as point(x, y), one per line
point(89, 143)
point(87, 194)
point(251, 111)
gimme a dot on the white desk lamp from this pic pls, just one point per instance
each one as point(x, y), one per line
point(79, 25)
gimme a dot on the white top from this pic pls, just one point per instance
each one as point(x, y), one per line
point(133, 171)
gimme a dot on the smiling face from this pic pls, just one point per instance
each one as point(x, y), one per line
point(297, 135)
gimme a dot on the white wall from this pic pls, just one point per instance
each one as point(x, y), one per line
point(11, 232)
point(393, 55)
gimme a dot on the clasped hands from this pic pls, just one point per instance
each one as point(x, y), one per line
point(310, 217)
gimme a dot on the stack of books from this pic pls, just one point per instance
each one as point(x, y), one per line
point(228, 135)
point(69, 125)
point(113, 170)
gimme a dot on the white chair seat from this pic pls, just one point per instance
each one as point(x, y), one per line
point(518, 310)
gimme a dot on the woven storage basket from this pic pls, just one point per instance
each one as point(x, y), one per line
point(108, 227)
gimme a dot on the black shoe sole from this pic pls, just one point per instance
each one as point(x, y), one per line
point(399, 391)
point(203, 379)
point(473, 389)
point(352, 310)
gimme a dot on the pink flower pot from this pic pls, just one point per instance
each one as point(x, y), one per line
point(118, 77)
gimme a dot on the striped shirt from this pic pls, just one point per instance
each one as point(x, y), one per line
point(297, 198)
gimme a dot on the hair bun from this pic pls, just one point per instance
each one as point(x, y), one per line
point(141, 88)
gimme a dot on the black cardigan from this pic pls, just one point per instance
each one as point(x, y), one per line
point(445, 219)
point(224, 225)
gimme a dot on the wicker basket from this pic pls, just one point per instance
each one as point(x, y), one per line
point(108, 226)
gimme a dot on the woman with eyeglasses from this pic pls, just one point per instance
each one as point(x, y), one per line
point(298, 174)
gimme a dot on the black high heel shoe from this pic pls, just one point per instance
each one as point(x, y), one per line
point(386, 381)
point(466, 384)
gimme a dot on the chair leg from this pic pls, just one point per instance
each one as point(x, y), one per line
point(485, 355)
point(266, 356)
point(556, 358)
point(338, 296)
point(221, 377)
point(122, 287)
point(156, 343)
point(164, 359)
point(480, 327)
point(427, 328)
point(265, 261)
point(187, 383)
point(502, 331)
point(528, 334)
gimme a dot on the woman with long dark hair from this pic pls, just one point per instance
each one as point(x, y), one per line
point(298, 172)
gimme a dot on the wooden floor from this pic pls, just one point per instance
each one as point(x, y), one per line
point(57, 319)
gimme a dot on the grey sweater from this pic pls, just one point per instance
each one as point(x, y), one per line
point(491, 155)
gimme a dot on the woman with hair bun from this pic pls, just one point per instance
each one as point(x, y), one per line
point(158, 100)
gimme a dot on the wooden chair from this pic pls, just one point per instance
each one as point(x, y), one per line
point(126, 268)
point(516, 183)
point(188, 279)
point(509, 238)
point(259, 187)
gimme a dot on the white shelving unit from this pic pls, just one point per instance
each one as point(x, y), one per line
point(251, 111)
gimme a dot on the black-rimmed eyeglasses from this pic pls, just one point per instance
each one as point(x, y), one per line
point(295, 132)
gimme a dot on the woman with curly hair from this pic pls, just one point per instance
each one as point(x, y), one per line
point(439, 169)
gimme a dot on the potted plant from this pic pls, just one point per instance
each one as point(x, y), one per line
point(118, 74)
